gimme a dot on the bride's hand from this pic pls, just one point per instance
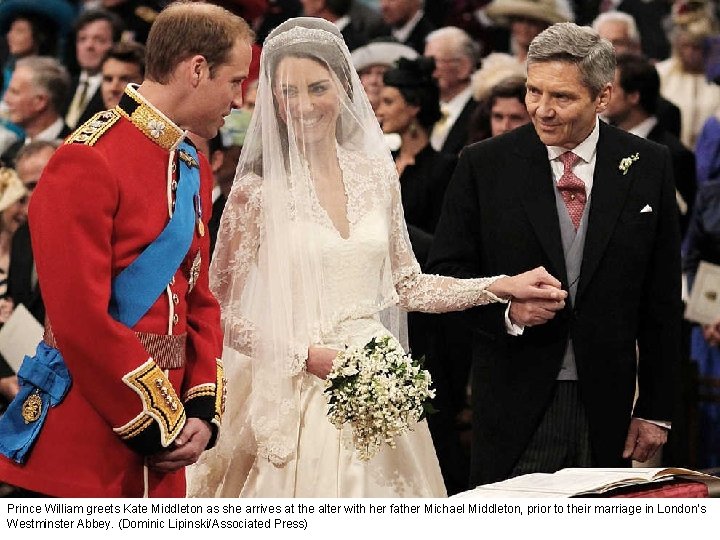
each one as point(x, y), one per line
point(536, 284)
point(320, 361)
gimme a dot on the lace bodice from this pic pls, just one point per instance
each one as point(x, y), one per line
point(372, 268)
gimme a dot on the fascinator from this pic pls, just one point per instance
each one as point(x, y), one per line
point(411, 73)
point(11, 188)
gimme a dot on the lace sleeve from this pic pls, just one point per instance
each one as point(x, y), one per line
point(234, 258)
point(429, 292)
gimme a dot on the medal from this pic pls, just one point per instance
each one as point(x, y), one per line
point(32, 408)
point(198, 213)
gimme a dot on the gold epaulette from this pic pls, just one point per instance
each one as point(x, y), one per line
point(93, 129)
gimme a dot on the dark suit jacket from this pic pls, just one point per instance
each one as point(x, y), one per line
point(458, 135)
point(20, 286)
point(94, 105)
point(416, 39)
point(367, 22)
point(500, 217)
point(683, 162)
point(668, 115)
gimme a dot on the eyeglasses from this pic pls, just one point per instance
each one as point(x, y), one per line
point(446, 61)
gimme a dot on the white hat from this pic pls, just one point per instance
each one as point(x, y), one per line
point(496, 67)
point(384, 53)
point(11, 188)
point(549, 11)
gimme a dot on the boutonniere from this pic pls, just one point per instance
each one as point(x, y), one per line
point(626, 163)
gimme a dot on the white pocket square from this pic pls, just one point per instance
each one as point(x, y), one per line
point(646, 208)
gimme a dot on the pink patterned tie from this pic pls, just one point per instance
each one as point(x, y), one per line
point(572, 189)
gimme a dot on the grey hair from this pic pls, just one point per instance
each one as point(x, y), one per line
point(460, 41)
point(580, 45)
point(35, 147)
point(621, 17)
point(50, 76)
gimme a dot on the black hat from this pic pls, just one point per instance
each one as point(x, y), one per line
point(411, 73)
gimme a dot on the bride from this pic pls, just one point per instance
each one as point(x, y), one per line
point(312, 248)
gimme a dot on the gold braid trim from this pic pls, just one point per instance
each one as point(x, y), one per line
point(154, 124)
point(221, 393)
point(93, 129)
point(133, 427)
point(159, 400)
point(207, 389)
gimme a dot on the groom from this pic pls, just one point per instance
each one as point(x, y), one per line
point(126, 388)
point(596, 206)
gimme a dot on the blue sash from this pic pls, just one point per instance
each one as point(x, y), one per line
point(44, 378)
point(44, 381)
point(139, 285)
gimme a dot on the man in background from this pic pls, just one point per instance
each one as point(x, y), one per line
point(95, 32)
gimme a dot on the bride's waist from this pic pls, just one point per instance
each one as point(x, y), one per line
point(353, 332)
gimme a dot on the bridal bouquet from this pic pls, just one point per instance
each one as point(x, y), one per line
point(380, 391)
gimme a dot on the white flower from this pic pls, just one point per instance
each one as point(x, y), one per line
point(156, 128)
point(626, 162)
point(380, 391)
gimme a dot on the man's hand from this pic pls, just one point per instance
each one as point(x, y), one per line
point(534, 312)
point(186, 449)
point(536, 284)
point(6, 309)
point(643, 439)
point(9, 387)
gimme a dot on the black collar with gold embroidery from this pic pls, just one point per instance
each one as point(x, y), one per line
point(155, 125)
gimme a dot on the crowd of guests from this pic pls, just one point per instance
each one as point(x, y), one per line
point(439, 75)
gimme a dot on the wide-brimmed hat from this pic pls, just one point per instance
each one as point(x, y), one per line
point(60, 12)
point(11, 188)
point(384, 53)
point(695, 18)
point(496, 67)
point(549, 11)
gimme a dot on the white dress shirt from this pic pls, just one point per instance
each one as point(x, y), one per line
point(403, 33)
point(50, 133)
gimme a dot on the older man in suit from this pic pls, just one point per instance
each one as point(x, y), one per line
point(554, 387)
point(456, 56)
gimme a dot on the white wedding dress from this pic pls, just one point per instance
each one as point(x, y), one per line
point(324, 463)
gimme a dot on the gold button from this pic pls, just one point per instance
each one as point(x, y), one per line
point(572, 197)
point(173, 185)
point(175, 298)
point(175, 318)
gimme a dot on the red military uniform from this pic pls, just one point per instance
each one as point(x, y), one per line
point(103, 197)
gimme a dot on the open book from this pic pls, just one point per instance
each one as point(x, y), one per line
point(579, 482)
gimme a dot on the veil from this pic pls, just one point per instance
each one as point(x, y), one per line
point(311, 116)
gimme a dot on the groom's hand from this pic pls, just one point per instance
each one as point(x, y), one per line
point(186, 449)
point(533, 312)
